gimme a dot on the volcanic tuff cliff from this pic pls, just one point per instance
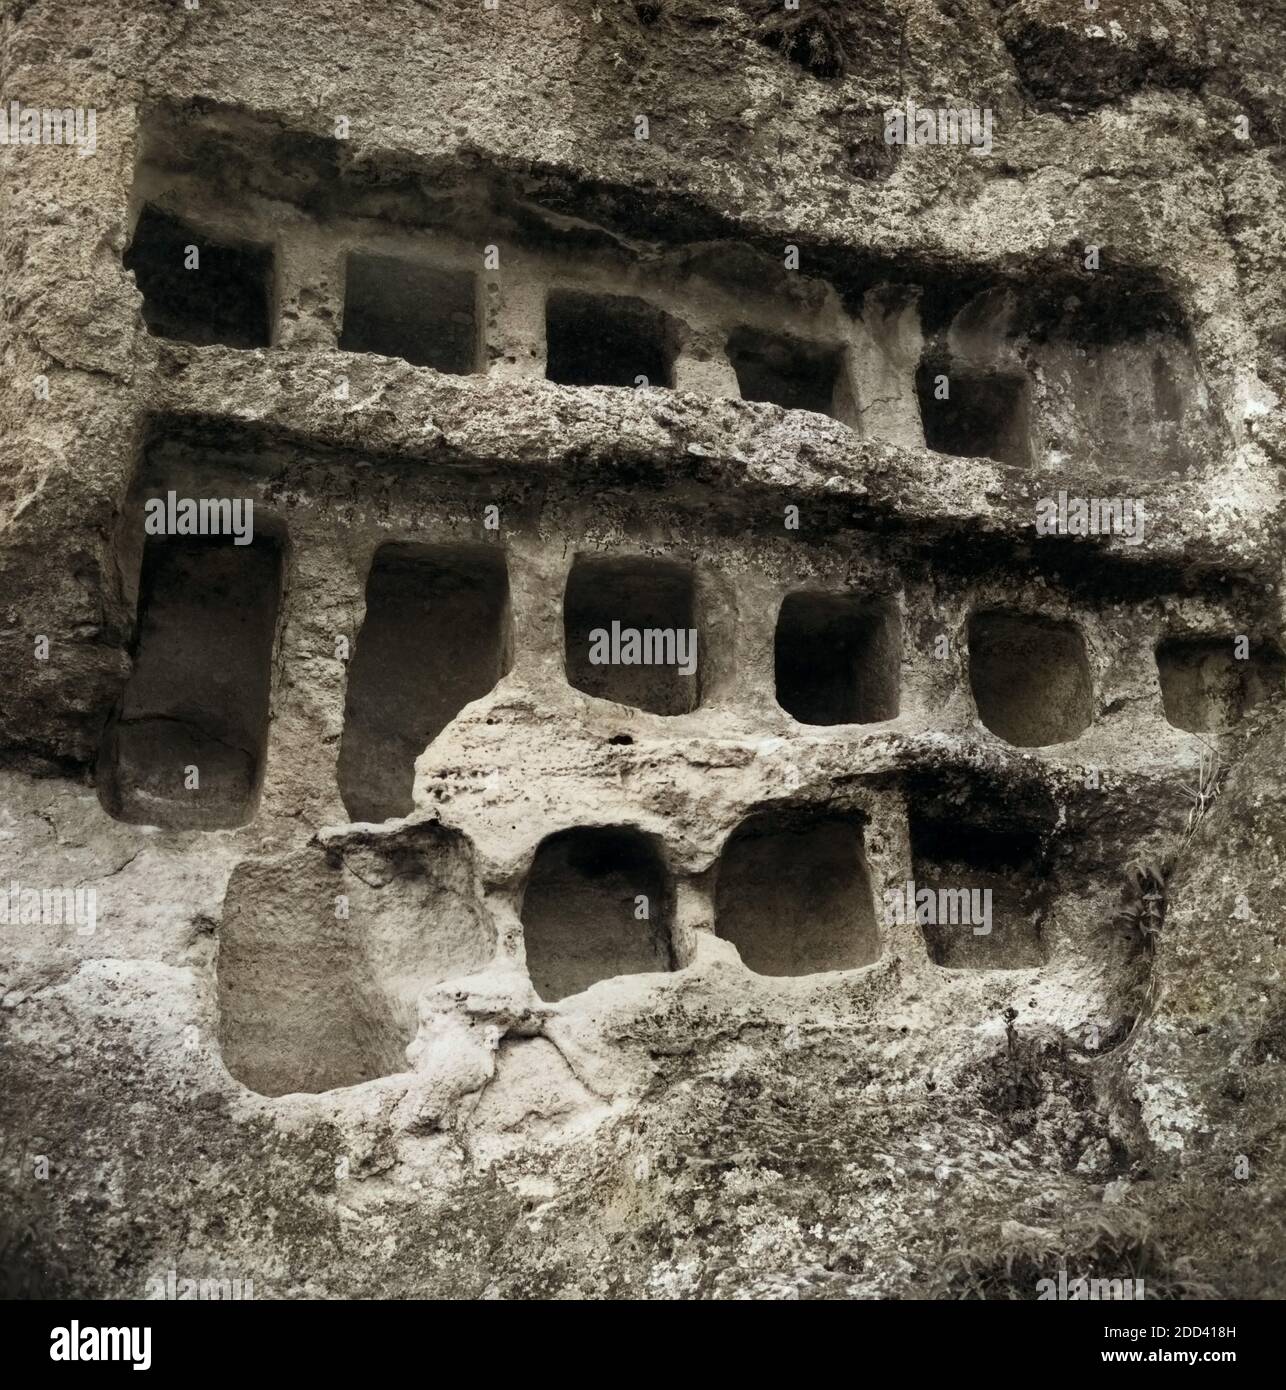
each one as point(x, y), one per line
point(468, 966)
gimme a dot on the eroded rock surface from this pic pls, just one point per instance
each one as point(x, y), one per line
point(384, 941)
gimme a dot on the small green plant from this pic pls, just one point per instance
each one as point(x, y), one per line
point(1142, 912)
point(1143, 896)
point(1204, 791)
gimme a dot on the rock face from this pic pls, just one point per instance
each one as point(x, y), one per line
point(564, 735)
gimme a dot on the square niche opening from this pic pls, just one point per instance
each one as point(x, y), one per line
point(838, 658)
point(597, 904)
point(970, 874)
point(185, 750)
point(793, 894)
point(426, 315)
point(1207, 689)
point(631, 633)
point(790, 372)
point(985, 414)
point(1030, 678)
point(436, 636)
point(606, 340)
point(309, 1001)
point(199, 289)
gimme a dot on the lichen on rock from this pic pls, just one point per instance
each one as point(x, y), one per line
point(732, 743)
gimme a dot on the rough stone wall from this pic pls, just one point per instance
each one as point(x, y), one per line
point(373, 1008)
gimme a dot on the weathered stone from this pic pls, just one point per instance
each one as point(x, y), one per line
point(925, 937)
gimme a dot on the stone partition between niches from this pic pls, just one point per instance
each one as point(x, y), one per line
point(1041, 368)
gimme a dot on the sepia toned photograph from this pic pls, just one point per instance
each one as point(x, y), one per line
point(644, 661)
